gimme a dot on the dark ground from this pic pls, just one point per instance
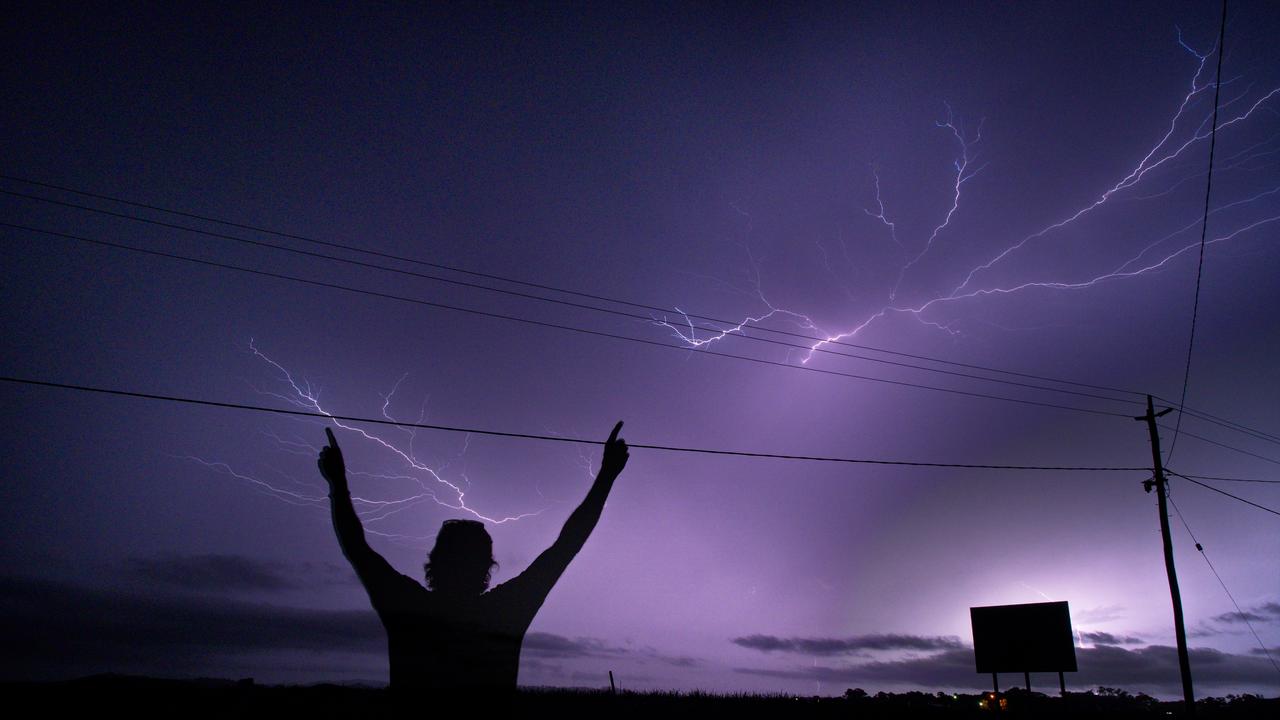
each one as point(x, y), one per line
point(147, 697)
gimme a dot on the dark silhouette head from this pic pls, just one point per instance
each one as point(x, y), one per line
point(462, 559)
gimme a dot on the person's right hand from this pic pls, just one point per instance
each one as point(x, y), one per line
point(331, 464)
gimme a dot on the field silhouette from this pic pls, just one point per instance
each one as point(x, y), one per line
point(210, 698)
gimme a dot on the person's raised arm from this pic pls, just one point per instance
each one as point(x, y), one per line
point(369, 565)
point(547, 568)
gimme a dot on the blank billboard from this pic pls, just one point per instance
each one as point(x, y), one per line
point(1035, 637)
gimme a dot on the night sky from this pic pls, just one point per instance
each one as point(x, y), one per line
point(1012, 186)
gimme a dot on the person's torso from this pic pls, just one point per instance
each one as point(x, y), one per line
point(435, 643)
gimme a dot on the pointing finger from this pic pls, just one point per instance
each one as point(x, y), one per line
point(613, 436)
point(333, 442)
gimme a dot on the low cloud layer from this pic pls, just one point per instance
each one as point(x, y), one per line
point(827, 647)
point(1106, 638)
point(215, 573)
point(1265, 613)
point(56, 630)
point(52, 629)
point(234, 573)
point(552, 646)
point(1154, 668)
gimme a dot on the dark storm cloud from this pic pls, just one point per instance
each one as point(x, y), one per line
point(1154, 667)
point(1157, 666)
point(52, 625)
point(550, 645)
point(1239, 617)
point(55, 629)
point(946, 669)
point(1106, 638)
point(682, 661)
point(1264, 613)
point(232, 573)
point(212, 573)
point(1204, 630)
point(824, 647)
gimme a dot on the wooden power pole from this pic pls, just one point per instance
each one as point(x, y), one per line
point(1180, 630)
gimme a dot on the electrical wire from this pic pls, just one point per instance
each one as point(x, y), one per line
point(549, 438)
point(541, 323)
point(1240, 612)
point(1224, 492)
point(1214, 419)
point(1238, 427)
point(1204, 227)
point(1231, 479)
point(1207, 417)
point(552, 288)
point(514, 293)
point(1224, 445)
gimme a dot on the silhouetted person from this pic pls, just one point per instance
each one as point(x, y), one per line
point(452, 636)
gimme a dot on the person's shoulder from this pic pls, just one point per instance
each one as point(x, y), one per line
point(413, 586)
point(502, 592)
point(402, 585)
point(519, 590)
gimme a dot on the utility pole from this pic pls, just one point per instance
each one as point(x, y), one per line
point(1158, 481)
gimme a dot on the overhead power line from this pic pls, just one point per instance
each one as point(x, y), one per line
point(1224, 492)
point(1214, 570)
point(528, 296)
point(1204, 226)
point(557, 326)
point(1230, 423)
point(1230, 479)
point(1216, 420)
point(543, 286)
point(548, 438)
point(1255, 434)
point(1207, 417)
point(1232, 448)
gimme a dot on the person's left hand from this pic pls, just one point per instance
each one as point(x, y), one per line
point(615, 452)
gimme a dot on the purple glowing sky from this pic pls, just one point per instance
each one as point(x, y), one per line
point(849, 171)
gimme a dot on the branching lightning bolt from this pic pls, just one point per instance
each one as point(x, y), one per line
point(963, 175)
point(433, 486)
point(1168, 148)
point(880, 215)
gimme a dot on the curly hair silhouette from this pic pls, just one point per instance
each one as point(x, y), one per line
point(462, 560)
